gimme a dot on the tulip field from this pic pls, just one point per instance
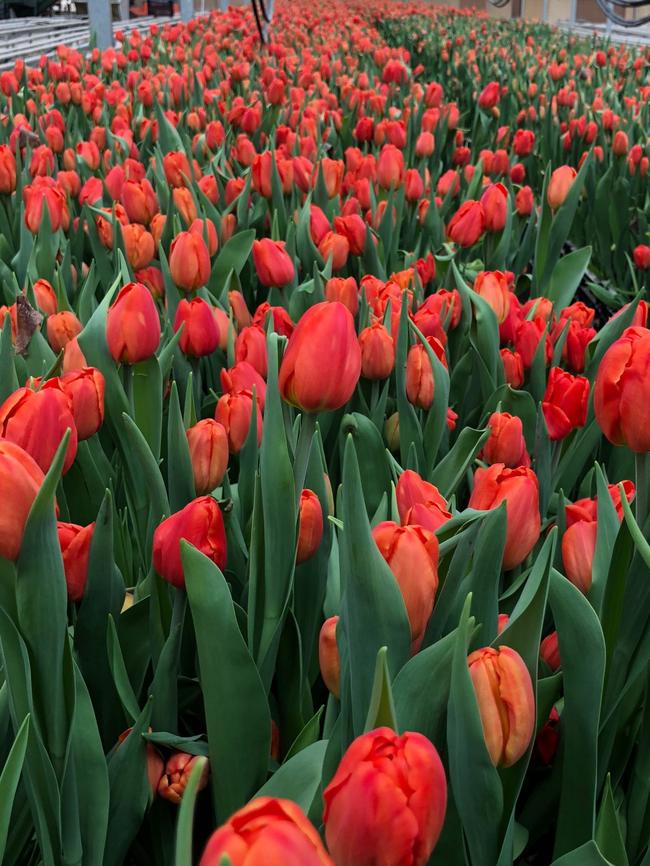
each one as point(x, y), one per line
point(324, 435)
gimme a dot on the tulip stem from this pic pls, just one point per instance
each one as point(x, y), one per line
point(303, 448)
point(642, 484)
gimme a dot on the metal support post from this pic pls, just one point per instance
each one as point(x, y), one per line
point(187, 10)
point(101, 23)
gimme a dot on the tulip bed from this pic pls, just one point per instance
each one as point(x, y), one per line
point(324, 414)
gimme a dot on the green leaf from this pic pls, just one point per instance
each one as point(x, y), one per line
point(185, 823)
point(299, 778)
point(180, 477)
point(410, 432)
point(236, 709)
point(381, 712)
point(586, 855)
point(9, 781)
point(451, 470)
point(234, 255)
point(119, 672)
point(567, 276)
point(147, 401)
point(609, 837)
point(582, 649)
point(373, 614)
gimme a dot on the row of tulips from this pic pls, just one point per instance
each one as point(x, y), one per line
point(325, 496)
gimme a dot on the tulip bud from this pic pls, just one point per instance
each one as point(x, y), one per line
point(176, 775)
point(235, 411)
point(524, 201)
point(75, 550)
point(85, 390)
point(273, 264)
point(506, 703)
point(390, 167)
point(377, 352)
point(267, 830)
point(200, 335)
point(20, 481)
point(468, 224)
point(62, 328)
point(513, 368)
point(7, 170)
point(132, 325)
point(353, 228)
point(622, 382)
point(208, 444)
point(328, 656)
point(419, 502)
point(37, 421)
point(337, 247)
point(641, 255)
point(345, 290)
point(549, 650)
point(578, 549)
point(620, 143)
point(495, 207)
point(419, 373)
point(200, 523)
point(506, 443)
point(325, 335)
point(244, 377)
point(139, 245)
point(250, 347)
point(384, 782)
point(492, 286)
point(73, 358)
point(559, 185)
point(310, 531)
point(565, 403)
point(519, 489)
point(45, 296)
point(412, 554)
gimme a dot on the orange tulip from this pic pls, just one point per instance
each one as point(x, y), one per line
point(504, 692)
point(578, 548)
point(139, 245)
point(61, 328)
point(345, 290)
point(208, 444)
point(419, 373)
point(492, 286)
point(377, 352)
point(419, 502)
point(189, 261)
point(559, 185)
point(174, 779)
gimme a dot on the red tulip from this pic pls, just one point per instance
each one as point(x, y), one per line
point(420, 383)
point(37, 421)
point(467, 224)
point(353, 228)
point(641, 255)
point(578, 548)
point(208, 444)
point(132, 325)
point(189, 261)
point(504, 692)
point(273, 263)
point(506, 443)
point(176, 775)
point(85, 390)
point(387, 801)
point(519, 489)
point(139, 245)
point(565, 403)
point(244, 377)
point(495, 207)
point(235, 412)
point(390, 167)
point(513, 368)
point(201, 524)
point(200, 335)
point(310, 525)
point(559, 185)
point(324, 338)
point(75, 550)
point(267, 831)
point(345, 290)
point(377, 352)
point(412, 554)
point(549, 650)
point(420, 502)
point(328, 656)
point(250, 346)
point(45, 295)
point(20, 481)
point(492, 286)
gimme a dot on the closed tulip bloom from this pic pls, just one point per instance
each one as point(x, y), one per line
point(504, 692)
point(268, 831)
point(85, 390)
point(75, 550)
point(353, 228)
point(244, 377)
point(328, 656)
point(578, 548)
point(73, 358)
point(45, 297)
point(208, 444)
point(235, 411)
point(495, 207)
point(310, 525)
point(185, 205)
point(250, 346)
point(178, 770)
point(559, 185)
point(513, 367)
point(506, 443)
point(43, 193)
point(189, 261)
point(490, 95)
point(387, 801)
point(345, 290)
point(412, 554)
point(524, 201)
point(413, 185)
point(419, 502)
point(467, 224)
point(132, 325)
point(549, 650)
point(492, 286)
point(207, 231)
point(620, 143)
point(333, 170)
point(641, 256)
point(7, 170)
point(390, 167)
point(565, 403)
point(139, 245)
point(324, 339)
point(200, 335)
point(240, 312)
point(622, 391)
point(273, 264)
point(140, 201)
point(200, 523)
point(20, 480)
point(37, 421)
point(337, 247)
point(419, 373)
point(61, 328)
point(519, 489)
point(424, 145)
point(377, 352)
